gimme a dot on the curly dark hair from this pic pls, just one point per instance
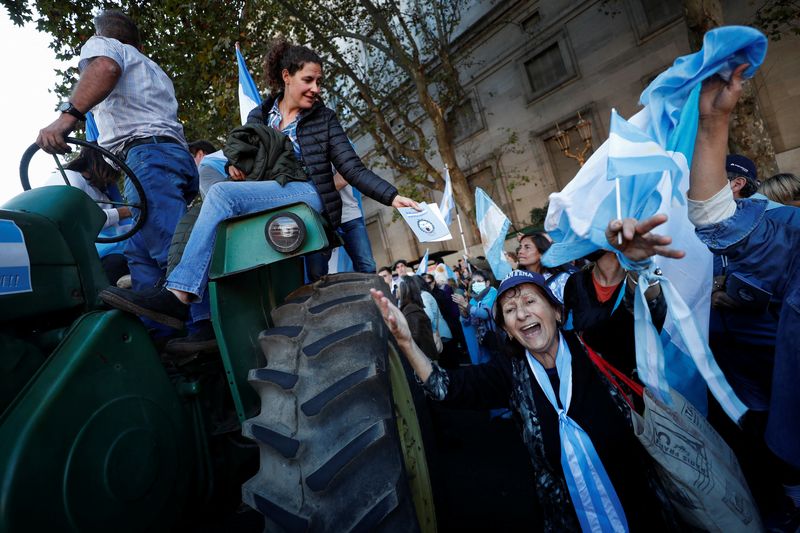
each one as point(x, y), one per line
point(285, 55)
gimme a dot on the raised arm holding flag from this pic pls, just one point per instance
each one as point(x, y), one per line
point(579, 214)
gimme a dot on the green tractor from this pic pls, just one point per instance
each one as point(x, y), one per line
point(306, 414)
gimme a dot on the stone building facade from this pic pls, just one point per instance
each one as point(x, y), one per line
point(536, 64)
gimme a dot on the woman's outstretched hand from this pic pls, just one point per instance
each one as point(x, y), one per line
point(397, 324)
point(638, 243)
point(392, 316)
point(402, 201)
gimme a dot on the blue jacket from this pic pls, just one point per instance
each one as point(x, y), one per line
point(763, 245)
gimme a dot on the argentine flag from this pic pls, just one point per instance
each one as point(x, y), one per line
point(493, 225)
point(249, 98)
point(447, 203)
point(423, 265)
point(15, 265)
point(579, 214)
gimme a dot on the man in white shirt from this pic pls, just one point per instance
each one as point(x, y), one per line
point(134, 105)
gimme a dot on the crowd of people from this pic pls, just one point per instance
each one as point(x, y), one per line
point(529, 342)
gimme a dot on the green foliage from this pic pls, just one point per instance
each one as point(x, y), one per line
point(778, 17)
point(538, 215)
point(388, 65)
point(193, 42)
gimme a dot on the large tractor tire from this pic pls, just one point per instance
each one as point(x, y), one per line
point(333, 394)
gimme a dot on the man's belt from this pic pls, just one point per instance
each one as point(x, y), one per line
point(153, 139)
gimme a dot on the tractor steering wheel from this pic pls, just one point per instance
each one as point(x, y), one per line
point(141, 206)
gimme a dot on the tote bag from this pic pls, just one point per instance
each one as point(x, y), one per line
point(696, 466)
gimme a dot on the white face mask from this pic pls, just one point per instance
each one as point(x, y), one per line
point(478, 286)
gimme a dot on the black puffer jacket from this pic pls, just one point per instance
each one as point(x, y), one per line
point(323, 143)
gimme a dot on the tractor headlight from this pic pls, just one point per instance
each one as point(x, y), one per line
point(285, 232)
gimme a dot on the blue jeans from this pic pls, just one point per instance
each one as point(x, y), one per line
point(168, 176)
point(356, 243)
point(226, 200)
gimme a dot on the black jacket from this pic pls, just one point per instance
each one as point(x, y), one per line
point(263, 153)
point(596, 406)
point(610, 333)
point(323, 143)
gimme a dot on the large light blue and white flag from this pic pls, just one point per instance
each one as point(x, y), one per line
point(15, 265)
point(493, 225)
point(632, 152)
point(578, 215)
point(423, 265)
point(448, 202)
point(249, 98)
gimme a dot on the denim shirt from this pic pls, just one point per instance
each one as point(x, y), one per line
point(758, 241)
point(764, 244)
point(290, 130)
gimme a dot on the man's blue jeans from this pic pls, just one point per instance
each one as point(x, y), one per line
point(356, 243)
point(168, 176)
point(227, 200)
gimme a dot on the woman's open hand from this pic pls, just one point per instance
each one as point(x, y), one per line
point(394, 318)
point(402, 201)
point(638, 243)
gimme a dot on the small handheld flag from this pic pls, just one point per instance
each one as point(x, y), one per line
point(493, 225)
point(447, 202)
point(423, 265)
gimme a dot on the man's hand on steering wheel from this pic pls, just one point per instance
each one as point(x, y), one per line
point(51, 138)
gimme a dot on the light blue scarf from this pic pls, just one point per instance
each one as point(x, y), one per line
point(593, 496)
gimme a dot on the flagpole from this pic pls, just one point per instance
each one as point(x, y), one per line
point(619, 209)
point(458, 217)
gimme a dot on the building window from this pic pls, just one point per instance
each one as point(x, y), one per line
point(549, 67)
point(484, 178)
point(465, 119)
point(649, 16)
point(565, 168)
point(657, 13)
point(530, 23)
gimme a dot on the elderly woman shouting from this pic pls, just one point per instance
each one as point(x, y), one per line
point(591, 472)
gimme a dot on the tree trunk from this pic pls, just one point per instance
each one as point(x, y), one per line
point(748, 130)
point(465, 199)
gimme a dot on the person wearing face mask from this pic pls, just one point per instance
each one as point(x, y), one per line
point(476, 318)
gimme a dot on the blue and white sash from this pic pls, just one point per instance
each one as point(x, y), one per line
point(593, 496)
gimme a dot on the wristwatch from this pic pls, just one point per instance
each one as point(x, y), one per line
point(67, 107)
